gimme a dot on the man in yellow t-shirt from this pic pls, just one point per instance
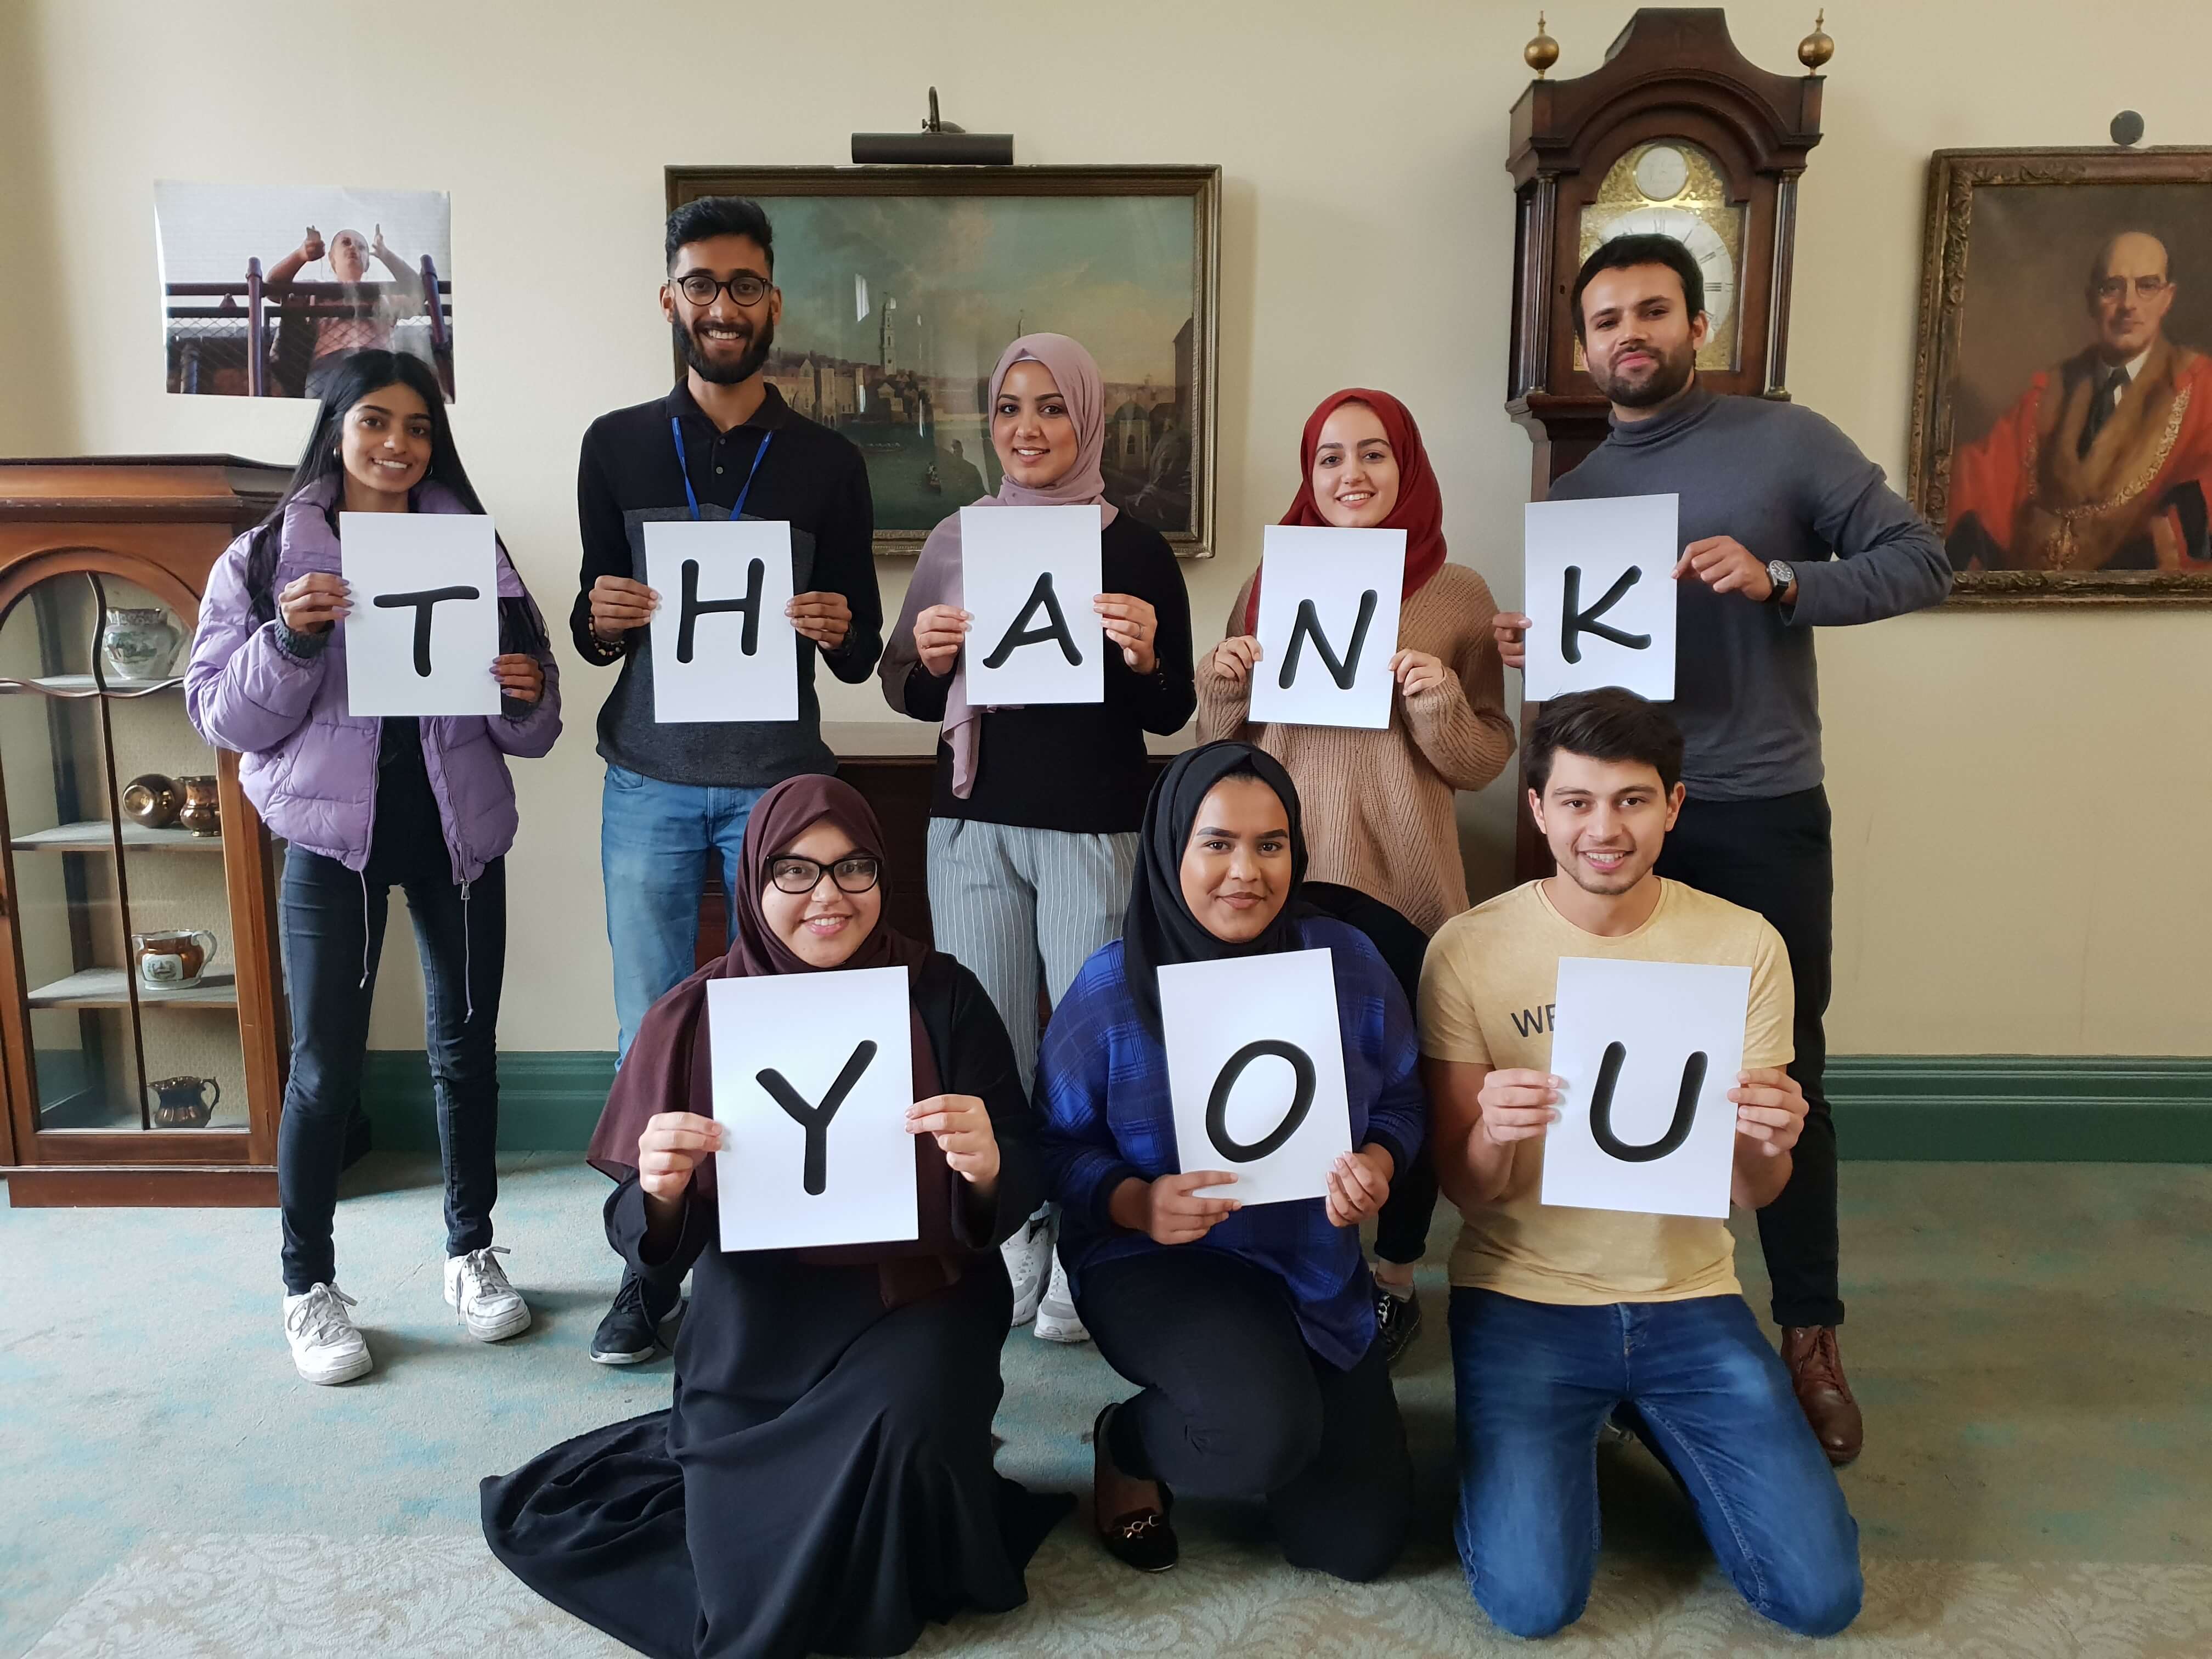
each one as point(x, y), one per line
point(1560, 1317)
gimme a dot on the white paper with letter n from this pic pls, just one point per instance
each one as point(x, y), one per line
point(722, 647)
point(424, 622)
point(813, 1076)
point(1328, 624)
point(1599, 594)
point(1255, 1072)
point(1028, 577)
point(1649, 1051)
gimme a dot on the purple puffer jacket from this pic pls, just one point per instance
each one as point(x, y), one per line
point(309, 765)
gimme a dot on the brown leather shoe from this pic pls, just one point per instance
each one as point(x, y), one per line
point(1816, 1372)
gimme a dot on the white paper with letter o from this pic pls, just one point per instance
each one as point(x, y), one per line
point(1649, 1051)
point(1029, 574)
point(1329, 618)
point(1255, 1072)
point(730, 653)
point(424, 622)
point(803, 1163)
point(1599, 593)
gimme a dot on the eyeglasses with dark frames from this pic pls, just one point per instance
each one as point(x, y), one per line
point(2146, 287)
point(795, 874)
point(745, 288)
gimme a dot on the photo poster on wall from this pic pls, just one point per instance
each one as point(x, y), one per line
point(1647, 1051)
point(1255, 1072)
point(1328, 625)
point(722, 647)
point(265, 290)
point(1600, 595)
point(1028, 577)
point(422, 627)
point(813, 1076)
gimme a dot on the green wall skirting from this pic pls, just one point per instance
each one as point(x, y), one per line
point(2011, 1107)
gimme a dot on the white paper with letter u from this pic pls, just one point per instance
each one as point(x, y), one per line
point(1028, 577)
point(1329, 624)
point(813, 1076)
point(1649, 1051)
point(1600, 595)
point(424, 622)
point(722, 647)
point(1255, 1072)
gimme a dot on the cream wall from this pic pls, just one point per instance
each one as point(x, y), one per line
point(2018, 798)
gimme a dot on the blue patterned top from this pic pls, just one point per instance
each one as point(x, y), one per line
point(1102, 1089)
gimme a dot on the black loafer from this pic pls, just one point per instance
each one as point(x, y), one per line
point(1142, 1538)
point(1397, 1321)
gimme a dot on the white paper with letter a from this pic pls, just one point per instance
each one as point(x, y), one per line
point(722, 647)
point(1328, 624)
point(1028, 577)
point(424, 623)
point(1649, 1051)
point(1599, 593)
point(1255, 1072)
point(813, 1076)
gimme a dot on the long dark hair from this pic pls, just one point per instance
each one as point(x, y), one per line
point(353, 378)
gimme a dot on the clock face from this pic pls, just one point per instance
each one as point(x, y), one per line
point(1672, 187)
point(1694, 234)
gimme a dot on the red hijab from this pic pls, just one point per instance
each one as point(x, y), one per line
point(1420, 510)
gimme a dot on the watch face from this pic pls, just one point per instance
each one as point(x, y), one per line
point(1672, 187)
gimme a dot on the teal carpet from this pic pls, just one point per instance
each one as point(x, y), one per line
point(2032, 1345)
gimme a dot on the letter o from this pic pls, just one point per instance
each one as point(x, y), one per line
point(1216, 1104)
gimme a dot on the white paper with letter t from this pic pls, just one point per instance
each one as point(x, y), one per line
point(1649, 1051)
point(1328, 624)
point(813, 1076)
point(722, 647)
point(1028, 577)
point(424, 622)
point(1599, 593)
point(1255, 1072)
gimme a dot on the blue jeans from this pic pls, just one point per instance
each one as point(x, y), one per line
point(654, 838)
point(1533, 1384)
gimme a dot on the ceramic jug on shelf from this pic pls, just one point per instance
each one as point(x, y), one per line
point(139, 644)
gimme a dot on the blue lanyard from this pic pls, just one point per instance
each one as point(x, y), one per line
point(684, 469)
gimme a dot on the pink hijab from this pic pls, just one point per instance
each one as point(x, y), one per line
point(937, 573)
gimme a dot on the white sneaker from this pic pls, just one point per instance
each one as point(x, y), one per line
point(1056, 1318)
point(1028, 1264)
point(326, 1347)
point(491, 1308)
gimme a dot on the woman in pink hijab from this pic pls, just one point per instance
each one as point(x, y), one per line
point(1034, 811)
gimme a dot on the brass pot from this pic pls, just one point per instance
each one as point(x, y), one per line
point(152, 800)
point(202, 811)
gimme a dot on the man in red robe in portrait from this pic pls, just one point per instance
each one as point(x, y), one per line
point(2106, 463)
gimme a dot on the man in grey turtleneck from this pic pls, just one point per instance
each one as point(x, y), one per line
point(1787, 527)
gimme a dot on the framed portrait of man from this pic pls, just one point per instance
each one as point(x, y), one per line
point(2062, 427)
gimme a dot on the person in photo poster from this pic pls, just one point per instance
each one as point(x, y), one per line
point(722, 444)
point(366, 804)
point(1033, 814)
point(1787, 527)
point(1251, 1335)
point(823, 1480)
point(1379, 805)
point(1564, 1318)
point(334, 337)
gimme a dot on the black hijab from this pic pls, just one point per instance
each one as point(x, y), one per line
point(1159, 927)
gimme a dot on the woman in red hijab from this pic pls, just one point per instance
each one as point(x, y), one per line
point(1381, 828)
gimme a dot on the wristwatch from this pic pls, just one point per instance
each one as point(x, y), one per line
point(1783, 578)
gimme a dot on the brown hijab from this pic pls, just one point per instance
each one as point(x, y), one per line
point(669, 1068)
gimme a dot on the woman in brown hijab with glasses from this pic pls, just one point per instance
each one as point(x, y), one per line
point(823, 1480)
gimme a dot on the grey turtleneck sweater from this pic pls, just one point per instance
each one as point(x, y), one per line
point(1788, 485)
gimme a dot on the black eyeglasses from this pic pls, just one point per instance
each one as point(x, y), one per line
point(745, 288)
point(793, 874)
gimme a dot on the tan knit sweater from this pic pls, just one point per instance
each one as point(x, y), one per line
point(1378, 804)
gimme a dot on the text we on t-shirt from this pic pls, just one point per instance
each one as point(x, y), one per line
point(1487, 990)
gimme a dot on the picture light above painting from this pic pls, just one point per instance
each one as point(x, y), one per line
point(902, 284)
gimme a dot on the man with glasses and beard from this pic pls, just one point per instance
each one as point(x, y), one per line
point(722, 445)
point(1787, 527)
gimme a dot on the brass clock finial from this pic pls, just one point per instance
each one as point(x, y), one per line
point(1541, 52)
point(1816, 48)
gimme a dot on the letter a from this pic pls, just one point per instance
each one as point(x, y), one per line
point(815, 1119)
point(1678, 1131)
point(1018, 636)
point(422, 602)
point(1309, 623)
point(1216, 1104)
point(693, 607)
point(1578, 622)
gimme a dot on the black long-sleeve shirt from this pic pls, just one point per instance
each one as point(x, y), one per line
point(627, 477)
point(1079, 767)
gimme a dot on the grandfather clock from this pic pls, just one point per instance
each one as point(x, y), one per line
point(1677, 133)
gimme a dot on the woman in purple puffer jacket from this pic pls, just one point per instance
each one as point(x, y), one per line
point(366, 804)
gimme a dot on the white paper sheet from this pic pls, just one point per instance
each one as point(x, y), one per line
point(1585, 549)
point(1211, 1013)
point(382, 555)
point(718, 678)
point(1668, 1019)
point(807, 1030)
point(1005, 553)
point(1328, 579)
